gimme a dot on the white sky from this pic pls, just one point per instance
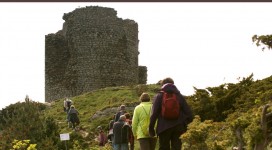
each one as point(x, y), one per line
point(197, 44)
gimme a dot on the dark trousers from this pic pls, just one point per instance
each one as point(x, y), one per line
point(170, 136)
point(147, 143)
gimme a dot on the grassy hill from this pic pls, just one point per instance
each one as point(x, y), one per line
point(102, 103)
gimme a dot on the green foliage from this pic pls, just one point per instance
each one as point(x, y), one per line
point(23, 145)
point(206, 135)
point(202, 104)
point(196, 135)
point(77, 140)
point(265, 40)
point(216, 103)
point(235, 105)
point(249, 125)
point(26, 121)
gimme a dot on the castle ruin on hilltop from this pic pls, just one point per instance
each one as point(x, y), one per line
point(94, 49)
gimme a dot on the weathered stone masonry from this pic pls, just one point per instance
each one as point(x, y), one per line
point(94, 49)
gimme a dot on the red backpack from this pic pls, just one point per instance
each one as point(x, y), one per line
point(170, 106)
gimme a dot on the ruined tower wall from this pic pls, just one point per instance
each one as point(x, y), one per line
point(142, 74)
point(94, 49)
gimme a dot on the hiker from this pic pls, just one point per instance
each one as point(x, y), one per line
point(73, 117)
point(169, 130)
point(140, 123)
point(110, 134)
point(131, 137)
point(102, 139)
point(27, 99)
point(67, 104)
point(121, 112)
point(120, 134)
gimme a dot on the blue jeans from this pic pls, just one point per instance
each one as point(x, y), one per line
point(123, 146)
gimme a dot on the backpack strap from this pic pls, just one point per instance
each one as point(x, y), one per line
point(146, 114)
point(144, 110)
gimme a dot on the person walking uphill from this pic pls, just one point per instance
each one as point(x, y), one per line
point(73, 117)
point(120, 134)
point(140, 123)
point(171, 123)
point(119, 113)
point(67, 104)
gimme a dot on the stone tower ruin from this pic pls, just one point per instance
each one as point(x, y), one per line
point(94, 49)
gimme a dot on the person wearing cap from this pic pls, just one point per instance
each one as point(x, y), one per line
point(120, 134)
point(169, 131)
point(121, 112)
point(141, 116)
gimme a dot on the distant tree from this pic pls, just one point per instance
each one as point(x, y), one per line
point(265, 40)
point(216, 103)
point(202, 104)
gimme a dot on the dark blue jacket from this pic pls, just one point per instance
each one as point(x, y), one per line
point(185, 116)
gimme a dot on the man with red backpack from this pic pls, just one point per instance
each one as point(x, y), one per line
point(172, 114)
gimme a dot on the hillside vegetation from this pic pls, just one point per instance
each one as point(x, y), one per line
point(229, 115)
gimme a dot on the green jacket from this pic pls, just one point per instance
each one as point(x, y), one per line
point(141, 112)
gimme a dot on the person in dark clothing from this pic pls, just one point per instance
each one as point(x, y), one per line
point(120, 134)
point(121, 112)
point(169, 131)
point(73, 117)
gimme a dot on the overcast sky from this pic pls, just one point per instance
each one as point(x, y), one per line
point(197, 44)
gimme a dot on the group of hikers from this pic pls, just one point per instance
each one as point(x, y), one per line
point(164, 119)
